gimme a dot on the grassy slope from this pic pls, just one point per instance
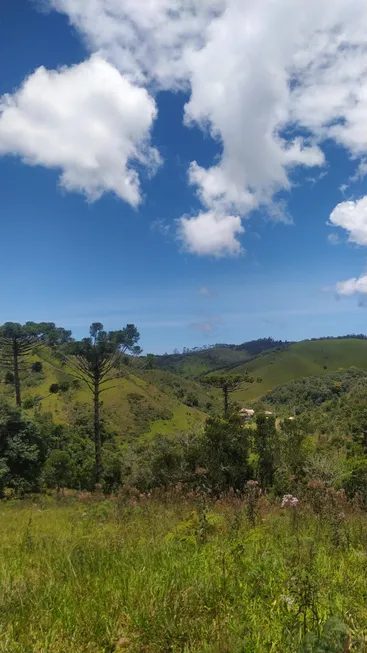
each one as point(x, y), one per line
point(138, 406)
point(300, 360)
point(197, 363)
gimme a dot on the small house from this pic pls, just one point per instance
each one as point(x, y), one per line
point(247, 413)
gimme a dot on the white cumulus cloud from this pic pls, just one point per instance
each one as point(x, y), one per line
point(353, 286)
point(211, 234)
point(88, 121)
point(145, 39)
point(352, 216)
point(270, 81)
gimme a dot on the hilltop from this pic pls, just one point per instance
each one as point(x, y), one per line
point(199, 361)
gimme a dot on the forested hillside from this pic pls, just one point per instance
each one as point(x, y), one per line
point(199, 361)
point(141, 403)
point(301, 359)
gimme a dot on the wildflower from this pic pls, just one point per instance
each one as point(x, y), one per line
point(289, 500)
point(252, 483)
point(341, 515)
point(201, 471)
point(287, 599)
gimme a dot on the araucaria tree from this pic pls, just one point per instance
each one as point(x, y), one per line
point(17, 344)
point(97, 360)
point(229, 383)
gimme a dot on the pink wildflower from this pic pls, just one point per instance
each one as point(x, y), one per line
point(289, 501)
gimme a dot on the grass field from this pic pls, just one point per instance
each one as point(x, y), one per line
point(98, 576)
point(301, 359)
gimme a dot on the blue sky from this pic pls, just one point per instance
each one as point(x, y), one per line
point(164, 253)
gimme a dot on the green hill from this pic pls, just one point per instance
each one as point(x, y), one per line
point(197, 362)
point(301, 359)
point(171, 400)
point(140, 405)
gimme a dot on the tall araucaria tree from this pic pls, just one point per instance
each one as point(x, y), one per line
point(19, 341)
point(229, 383)
point(97, 360)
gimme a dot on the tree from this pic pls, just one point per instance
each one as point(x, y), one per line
point(226, 444)
point(229, 383)
point(22, 450)
point(97, 361)
point(266, 446)
point(17, 343)
point(150, 363)
point(58, 471)
point(294, 449)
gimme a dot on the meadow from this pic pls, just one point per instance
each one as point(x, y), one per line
point(168, 574)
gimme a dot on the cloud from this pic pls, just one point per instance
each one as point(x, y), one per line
point(145, 39)
point(360, 172)
point(343, 188)
point(205, 291)
point(352, 216)
point(87, 121)
point(333, 239)
point(270, 81)
point(211, 234)
point(208, 326)
point(353, 286)
point(161, 226)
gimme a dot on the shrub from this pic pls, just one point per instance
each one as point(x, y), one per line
point(59, 470)
point(355, 479)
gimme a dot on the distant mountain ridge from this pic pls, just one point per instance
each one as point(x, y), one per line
point(196, 362)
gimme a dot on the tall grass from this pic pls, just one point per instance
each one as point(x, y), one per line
point(80, 576)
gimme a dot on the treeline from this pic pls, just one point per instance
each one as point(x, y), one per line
point(226, 456)
point(253, 347)
point(37, 454)
point(356, 336)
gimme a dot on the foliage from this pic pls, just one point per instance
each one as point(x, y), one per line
point(266, 447)
point(18, 343)
point(58, 471)
point(22, 450)
point(226, 450)
point(355, 478)
point(307, 393)
point(9, 378)
point(164, 462)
